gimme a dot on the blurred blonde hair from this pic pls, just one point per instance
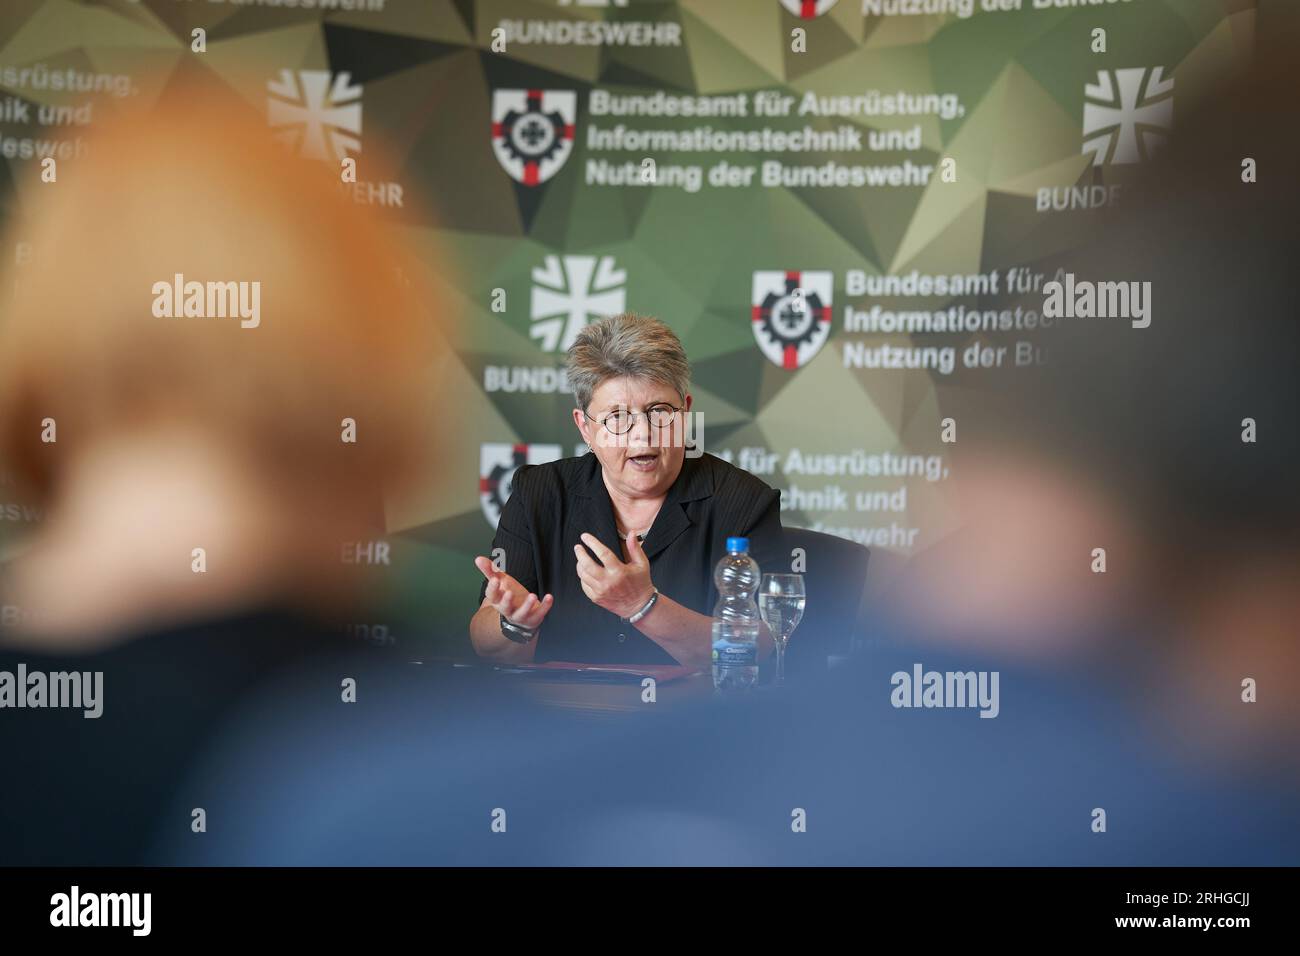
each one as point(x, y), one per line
point(197, 187)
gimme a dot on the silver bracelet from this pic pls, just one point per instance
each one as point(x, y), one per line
point(654, 596)
point(517, 632)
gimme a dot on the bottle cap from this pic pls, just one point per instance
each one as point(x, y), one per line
point(738, 544)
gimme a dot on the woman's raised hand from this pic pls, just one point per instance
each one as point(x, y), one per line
point(511, 599)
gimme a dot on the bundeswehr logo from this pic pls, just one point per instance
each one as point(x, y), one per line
point(1127, 114)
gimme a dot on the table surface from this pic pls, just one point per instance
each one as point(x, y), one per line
point(587, 694)
point(609, 698)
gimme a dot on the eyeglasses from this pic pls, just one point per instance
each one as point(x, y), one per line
point(621, 421)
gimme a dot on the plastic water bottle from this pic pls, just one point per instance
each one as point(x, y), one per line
point(735, 619)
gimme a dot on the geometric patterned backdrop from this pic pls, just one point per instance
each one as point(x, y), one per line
point(796, 224)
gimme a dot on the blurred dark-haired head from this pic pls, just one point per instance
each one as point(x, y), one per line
point(1133, 499)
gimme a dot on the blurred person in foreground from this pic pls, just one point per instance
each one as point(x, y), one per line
point(204, 313)
point(1085, 660)
point(1172, 447)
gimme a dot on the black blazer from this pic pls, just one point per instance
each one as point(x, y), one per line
point(550, 505)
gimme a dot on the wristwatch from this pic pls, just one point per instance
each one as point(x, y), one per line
point(517, 632)
point(645, 608)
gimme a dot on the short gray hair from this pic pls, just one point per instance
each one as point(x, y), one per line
point(629, 345)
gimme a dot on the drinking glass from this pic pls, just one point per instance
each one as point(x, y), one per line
point(781, 603)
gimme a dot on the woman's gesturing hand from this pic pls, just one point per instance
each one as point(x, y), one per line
point(622, 588)
point(511, 599)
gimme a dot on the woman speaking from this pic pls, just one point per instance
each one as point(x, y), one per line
point(609, 557)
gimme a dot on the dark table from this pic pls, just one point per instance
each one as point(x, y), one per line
point(587, 689)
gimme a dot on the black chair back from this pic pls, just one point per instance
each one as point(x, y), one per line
point(835, 575)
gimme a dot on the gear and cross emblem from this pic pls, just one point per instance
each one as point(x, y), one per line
point(532, 132)
point(791, 313)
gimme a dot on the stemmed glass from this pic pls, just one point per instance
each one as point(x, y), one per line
point(781, 603)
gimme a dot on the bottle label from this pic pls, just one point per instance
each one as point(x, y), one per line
point(726, 652)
